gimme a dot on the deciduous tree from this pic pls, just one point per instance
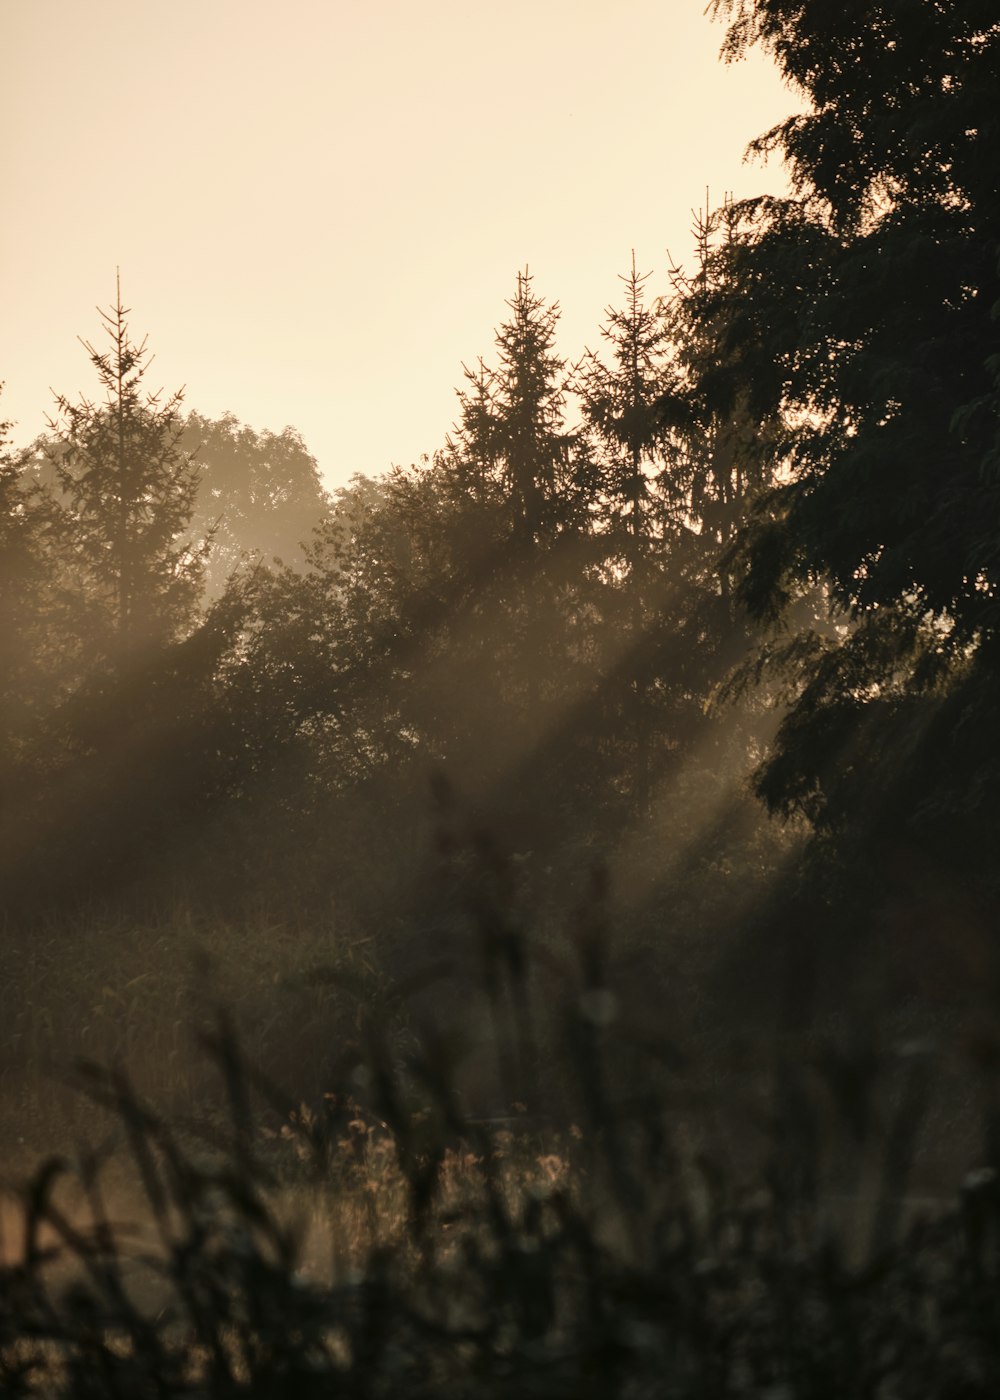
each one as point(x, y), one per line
point(863, 315)
point(259, 494)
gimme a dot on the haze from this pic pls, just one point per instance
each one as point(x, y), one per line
point(318, 214)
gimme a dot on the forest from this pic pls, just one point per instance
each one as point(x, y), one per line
point(527, 922)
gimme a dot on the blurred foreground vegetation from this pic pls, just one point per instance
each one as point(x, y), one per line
point(663, 1224)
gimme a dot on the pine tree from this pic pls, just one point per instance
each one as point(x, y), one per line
point(673, 482)
point(127, 496)
point(512, 431)
point(621, 408)
point(637, 512)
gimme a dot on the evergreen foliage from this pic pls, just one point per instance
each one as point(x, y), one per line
point(114, 735)
point(534, 610)
point(511, 431)
point(127, 494)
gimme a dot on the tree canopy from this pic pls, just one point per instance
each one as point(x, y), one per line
point(126, 497)
point(861, 316)
point(797, 434)
point(259, 494)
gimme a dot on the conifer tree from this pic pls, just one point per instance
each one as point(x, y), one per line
point(638, 500)
point(127, 492)
point(670, 489)
point(621, 407)
point(512, 430)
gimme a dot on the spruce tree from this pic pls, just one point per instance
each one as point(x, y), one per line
point(636, 513)
point(621, 408)
point(512, 429)
point(127, 496)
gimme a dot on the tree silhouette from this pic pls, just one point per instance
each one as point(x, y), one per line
point(862, 319)
point(511, 429)
point(621, 408)
point(127, 496)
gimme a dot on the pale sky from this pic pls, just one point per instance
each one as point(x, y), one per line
point(319, 207)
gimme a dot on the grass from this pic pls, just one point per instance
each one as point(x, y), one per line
point(380, 1242)
point(139, 992)
point(507, 1181)
point(503, 1285)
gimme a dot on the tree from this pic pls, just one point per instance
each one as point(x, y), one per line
point(639, 516)
point(621, 408)
point(522, 488)
point(731, 455)
point(673, 486)
point(125, 748)
point(127, 497)
point(25, 569)
point(511, 431)
point(862, 314)
point(439, 620)
point(259, 494)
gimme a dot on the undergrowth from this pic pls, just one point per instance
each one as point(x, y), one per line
point(619, 1220)
point(380, 1242)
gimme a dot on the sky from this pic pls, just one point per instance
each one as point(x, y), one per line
point(319, 208)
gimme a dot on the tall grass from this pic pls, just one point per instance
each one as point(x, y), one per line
point(120, 989)
point(381, 1242)
point(616, 1215)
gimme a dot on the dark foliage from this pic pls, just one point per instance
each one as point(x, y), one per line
point(619, 1259)
point(861, 323)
